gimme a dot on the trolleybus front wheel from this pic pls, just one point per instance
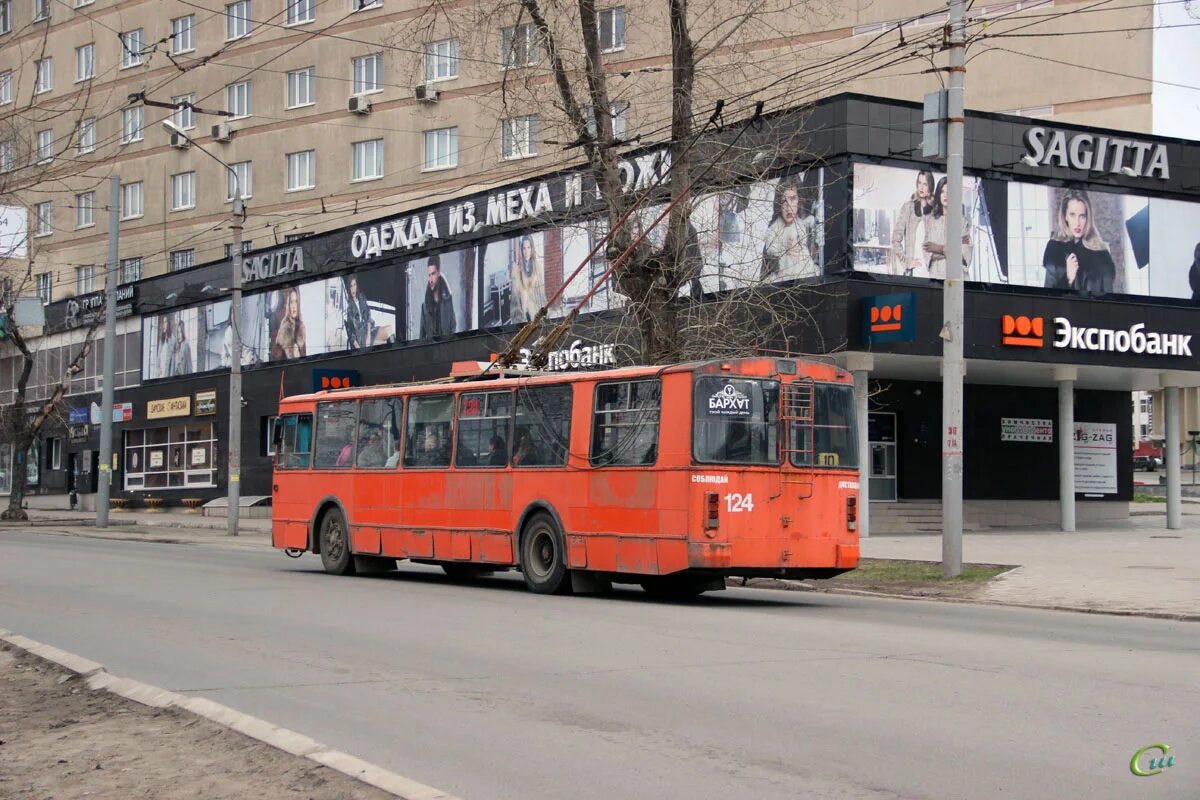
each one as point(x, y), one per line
point(543, 557)
point(335, 544)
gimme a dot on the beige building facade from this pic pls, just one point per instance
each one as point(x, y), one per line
point(336, 112)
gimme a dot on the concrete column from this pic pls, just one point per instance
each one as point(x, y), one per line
point(860, 365)
point(1171, 451)
point(1065, 376)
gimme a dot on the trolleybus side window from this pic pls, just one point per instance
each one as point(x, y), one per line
point(542, 433)
point(625, 424)
point(335, 435)
point(833, 441)
point(293, 441)
point(379, 422)
point(736, 421)
point(429, 431)
point(483, 436)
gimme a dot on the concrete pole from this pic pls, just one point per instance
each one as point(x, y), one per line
point(111, 276)
point(1171, 451)
point(1066, 449)
point(952, 301)
point(235, 365)
point(860, 365)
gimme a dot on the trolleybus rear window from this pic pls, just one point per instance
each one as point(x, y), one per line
point(736, 421)
point(830, 439)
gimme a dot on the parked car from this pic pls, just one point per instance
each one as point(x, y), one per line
point(1148, 463)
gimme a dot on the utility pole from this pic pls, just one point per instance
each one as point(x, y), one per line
point(952, 300)
point(235, 361)
point(104, 489)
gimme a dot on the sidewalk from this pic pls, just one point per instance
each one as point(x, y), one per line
point(1135, 566)
point(173, 527)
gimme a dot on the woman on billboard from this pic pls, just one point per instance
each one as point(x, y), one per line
point(1076, 257)
point(528, 284)
point(935, 235)
point(790, 251)
point(908, 232)
point(290, 338)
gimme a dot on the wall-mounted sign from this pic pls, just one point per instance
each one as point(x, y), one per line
point(169, 407)
point(577, 356)
point(1092, 153)
point(82, 310)
point(156, 459)
point(1095, 448)
point(1019, 429)
point(121, 412)
point(79, 433)
point(206, 403)
point(326, 379)
point(889, 318)
point(1030, 332)
point(77, 416)
point(273, 264)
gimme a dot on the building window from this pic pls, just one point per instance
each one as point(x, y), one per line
point(295, 237)
point(519, 46)
point(174, 457)
point(183, 191)
point(131, 200)
point(87, 136)
point(43, 218)
point(618, 112)
point(368, 160)
point(8, 161)
point(5, 87)
point(237, 20)
point(181, 34)
point(5, 16)
point(360, 5)
point(441, 60)
point(518, 137)
point(85, 210)
point(41, 9)
point(131, 125)
point(131, 269)
point(55, 443)
point(85, 279)
point(238, 99)
point(45, 287)
point(44, 75)
point(240, 180)
point(44, 151)
point(611, 23)
point(441, 148)
point(131, 48)
point(85, 62)
point(300, 11)
point(182, 259)
point(246, 248)
point(367, 73)
point(183, 117)
point(300, 88)
point(301, 170)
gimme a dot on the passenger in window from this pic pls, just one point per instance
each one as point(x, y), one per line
point(526, 454)
point(372, 455)
point(497, 454)
point(430, 452)
point(437, 312)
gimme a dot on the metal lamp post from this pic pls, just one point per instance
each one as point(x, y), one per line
point(235, 317)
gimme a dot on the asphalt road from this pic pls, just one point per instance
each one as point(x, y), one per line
point(486, 691)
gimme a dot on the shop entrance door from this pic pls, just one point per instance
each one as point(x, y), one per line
point(881, 437)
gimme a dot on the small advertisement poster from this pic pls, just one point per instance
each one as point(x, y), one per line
point(1019, 429)
point(729, 402)
point(1095, 458)
point(156, 459)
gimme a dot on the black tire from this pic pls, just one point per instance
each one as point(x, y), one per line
point(466, 572)
point(335, 544)
point(543, 556)
point(673, 587)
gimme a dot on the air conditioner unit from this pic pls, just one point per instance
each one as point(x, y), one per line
point(179, 141)
point(426, 93)
point(221, 132)
point(360, 105)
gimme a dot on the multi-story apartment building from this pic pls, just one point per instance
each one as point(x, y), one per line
point(333, 111)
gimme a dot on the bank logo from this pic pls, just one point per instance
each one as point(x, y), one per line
point(890, 318)
point(325, 379)
point(1022, 331)
point(1157, 760)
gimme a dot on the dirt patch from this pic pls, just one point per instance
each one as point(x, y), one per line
point(60, 739)
point(896, 576)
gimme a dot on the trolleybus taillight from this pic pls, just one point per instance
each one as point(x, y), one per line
point(712, 504)
point(852, 513)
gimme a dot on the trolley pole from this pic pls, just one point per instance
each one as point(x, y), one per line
point(952, 299)
point(235, 365)
point(111, 276)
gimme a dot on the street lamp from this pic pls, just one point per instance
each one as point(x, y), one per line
point(235, 318)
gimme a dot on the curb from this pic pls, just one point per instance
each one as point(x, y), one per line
point(98, 678)
point(808, 587)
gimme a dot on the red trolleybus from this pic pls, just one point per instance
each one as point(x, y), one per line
point(671, 477)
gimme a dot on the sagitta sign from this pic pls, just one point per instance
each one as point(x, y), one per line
point(273, 264)
point(1090, 152)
